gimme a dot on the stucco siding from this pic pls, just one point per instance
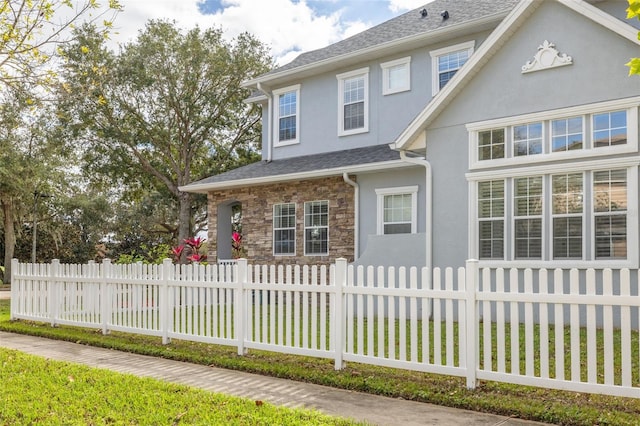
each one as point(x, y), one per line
point(388, 114)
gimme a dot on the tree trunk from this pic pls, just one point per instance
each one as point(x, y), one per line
point(9, 236)
point(184, 218)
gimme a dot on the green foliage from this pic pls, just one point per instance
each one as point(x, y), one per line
point(40, 391)
point(166, 110)
point(150, 255)
point(633, 11)
point(30, 31)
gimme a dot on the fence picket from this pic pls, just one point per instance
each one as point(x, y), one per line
point(607, 290)
point(592, 365)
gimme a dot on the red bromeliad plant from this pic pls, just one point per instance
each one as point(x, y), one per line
point(236, 246)
point(191, 250)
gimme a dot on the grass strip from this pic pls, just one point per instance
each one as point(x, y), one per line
point(545, 405)
point(39, 391)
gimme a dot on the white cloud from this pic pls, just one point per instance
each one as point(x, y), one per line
point(404, 5)
point(287, 28)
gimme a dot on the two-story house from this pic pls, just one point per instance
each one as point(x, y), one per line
point(501, 130)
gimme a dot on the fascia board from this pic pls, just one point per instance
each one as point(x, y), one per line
point(362, 168)
point(455, 85)
point(378, 50)
point(493, 43)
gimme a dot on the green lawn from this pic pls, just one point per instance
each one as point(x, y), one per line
point(566, 408)
point(39, 391)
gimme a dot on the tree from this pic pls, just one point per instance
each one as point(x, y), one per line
point(633, 11)
point(32, 30)
point(166, 110)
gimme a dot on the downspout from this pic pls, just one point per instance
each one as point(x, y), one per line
point(269, 96)
point(356, 224)
point(422, 161)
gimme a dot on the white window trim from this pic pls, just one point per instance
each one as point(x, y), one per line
point(386, 66)
point(435, 54)
point(276, 116)
point(584, 215)
point(273, 232)
point(589, 260)
point(588, 151)
point(362, 72)
point(382, 192)
point(305, 229)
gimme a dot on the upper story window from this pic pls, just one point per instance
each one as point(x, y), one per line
point(575, 132)
point(316, 228)
point(491, 144)
point(287, 116)
point(396, 76)
point(567, 134)
point(610, 128)
point(397, 210)
point(447, 61)
point(527, 139)
point(353, 102)
point(284, 229)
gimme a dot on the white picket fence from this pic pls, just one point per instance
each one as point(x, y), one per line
point(557, 329)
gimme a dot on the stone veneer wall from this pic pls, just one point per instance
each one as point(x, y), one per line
point(257, 218)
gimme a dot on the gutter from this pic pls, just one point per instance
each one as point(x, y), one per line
point(269, 96)
point(422, 161)
point(356, 224)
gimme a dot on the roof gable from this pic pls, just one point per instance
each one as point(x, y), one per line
point(413, 137)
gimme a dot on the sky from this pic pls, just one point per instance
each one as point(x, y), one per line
point(288, 27)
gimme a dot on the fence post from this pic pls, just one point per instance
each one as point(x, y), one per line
point(338, 311)
point(14, 289)
point(104, 295)
point(471, 284)
point(241, 307)
point(166, 311)
point(53, 291)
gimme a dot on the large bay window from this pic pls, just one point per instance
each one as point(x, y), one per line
point(580, 215)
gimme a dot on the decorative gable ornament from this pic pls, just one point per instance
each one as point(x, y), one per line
point(547, 57)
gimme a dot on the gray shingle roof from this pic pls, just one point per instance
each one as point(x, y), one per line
point(308, 163)
point(405, 25)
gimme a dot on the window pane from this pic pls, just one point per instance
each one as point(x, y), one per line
point(527, 139)
point(284, 232)
point(398, 76)
point(397, 213)
point(316, 222)
point(491, 232)
point(566, 134)
point(610, 128)
point(611, 236)
point(287, 111)
point(354, 116)
point(491, 144)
